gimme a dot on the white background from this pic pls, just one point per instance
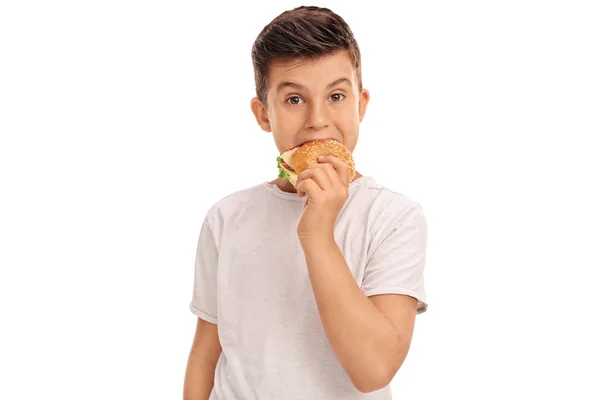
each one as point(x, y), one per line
point(122, 122)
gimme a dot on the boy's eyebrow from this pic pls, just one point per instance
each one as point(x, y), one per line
point(294, 85)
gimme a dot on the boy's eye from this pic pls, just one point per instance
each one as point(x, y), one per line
point(294, 100)
point(337, 97)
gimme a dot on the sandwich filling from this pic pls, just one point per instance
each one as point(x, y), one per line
point(284, 162)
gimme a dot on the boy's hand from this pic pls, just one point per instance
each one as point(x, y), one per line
point(326, 185)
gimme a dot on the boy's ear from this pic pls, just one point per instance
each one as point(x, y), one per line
point(260, 113)
point(363, 101)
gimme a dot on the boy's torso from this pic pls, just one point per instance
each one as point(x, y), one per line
point(274, 345)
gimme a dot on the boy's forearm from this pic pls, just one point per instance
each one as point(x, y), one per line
point(362, 337)
point(199, 378)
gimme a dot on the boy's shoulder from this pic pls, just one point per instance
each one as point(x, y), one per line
point(385, 209)
point(381, 196)
point(237, 200)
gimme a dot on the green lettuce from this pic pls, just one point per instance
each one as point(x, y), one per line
point(283, 174)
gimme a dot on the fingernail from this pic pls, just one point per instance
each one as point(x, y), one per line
point(321, 158)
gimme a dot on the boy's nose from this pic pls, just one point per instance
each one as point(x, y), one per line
point(318, 116)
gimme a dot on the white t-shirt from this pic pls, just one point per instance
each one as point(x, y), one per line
point(251, 279)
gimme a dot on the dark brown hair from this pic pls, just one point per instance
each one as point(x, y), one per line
point(305, 32)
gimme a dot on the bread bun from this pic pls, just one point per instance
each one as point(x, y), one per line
point(309, 153)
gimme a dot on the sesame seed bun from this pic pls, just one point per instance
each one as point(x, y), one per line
point(309, 153)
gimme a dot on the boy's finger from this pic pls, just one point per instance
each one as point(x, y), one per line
point(331, 173)
point(340, 167)
point(318, 175)
point(308, 187)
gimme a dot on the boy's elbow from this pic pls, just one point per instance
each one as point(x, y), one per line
point(376, 379)
point(377, 374)
point(368, 388)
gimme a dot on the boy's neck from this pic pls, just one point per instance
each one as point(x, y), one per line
point(285, 186)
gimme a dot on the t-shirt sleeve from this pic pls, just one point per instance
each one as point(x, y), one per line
point(397, 263)
point(204, 298)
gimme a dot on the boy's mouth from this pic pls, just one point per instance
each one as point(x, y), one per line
point(312, 140)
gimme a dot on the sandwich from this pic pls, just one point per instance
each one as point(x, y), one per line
point(293, 161)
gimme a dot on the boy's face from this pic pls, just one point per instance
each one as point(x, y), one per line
point(308, 100)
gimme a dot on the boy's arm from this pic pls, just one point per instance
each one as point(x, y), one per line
point(202, 361)
point(370, 336)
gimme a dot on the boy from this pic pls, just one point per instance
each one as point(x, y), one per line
point(307, 292)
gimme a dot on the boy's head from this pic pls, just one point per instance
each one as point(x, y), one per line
point(307, 71)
